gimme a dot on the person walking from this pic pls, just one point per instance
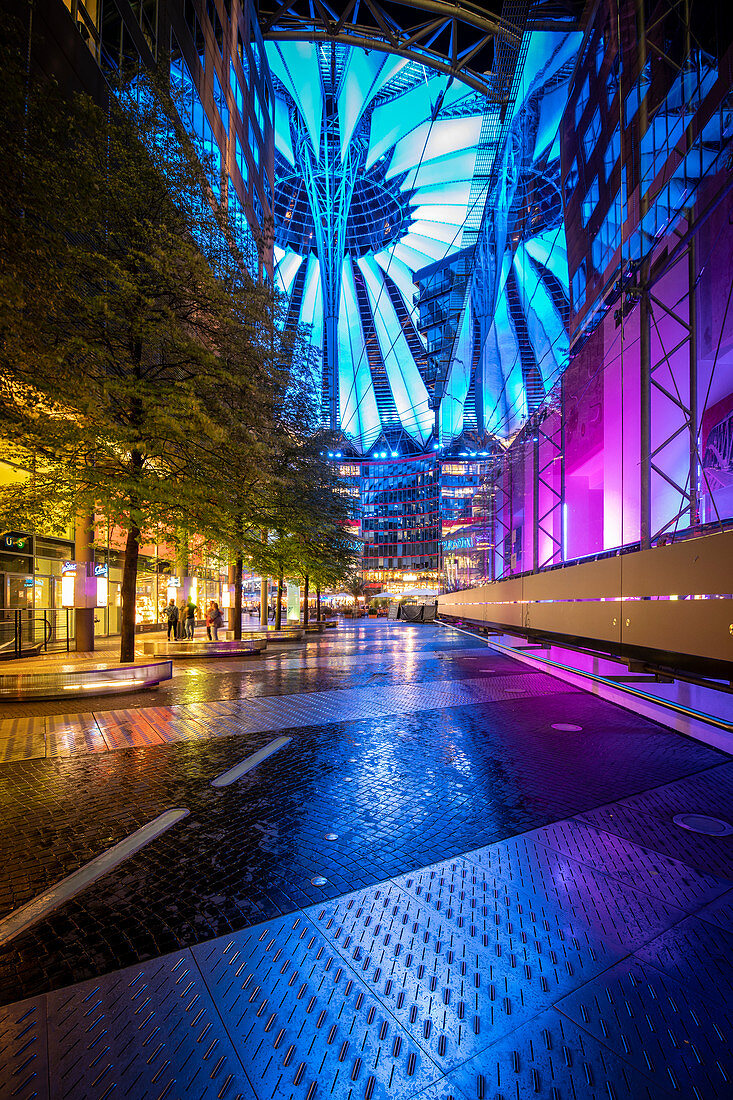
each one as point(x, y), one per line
point(191, 610)
point(217, 620)
point(171, 614)
point(181, 632)
point(209, 611)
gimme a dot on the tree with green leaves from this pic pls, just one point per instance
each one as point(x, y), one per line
point(123, 310)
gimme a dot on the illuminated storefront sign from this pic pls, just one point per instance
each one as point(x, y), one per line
point(68, 583)
point(466, 542)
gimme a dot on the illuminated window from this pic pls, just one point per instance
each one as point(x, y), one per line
point(606, 240)
point(236, 88)
point(579, 287)
point(590, 201)
point(612, 152)
point(571, 180)
point(592, 134)
point(612, 81)
point(193, 113)
point(221, 103)
point(241, 162)
point(254, 146)
point(582, 101)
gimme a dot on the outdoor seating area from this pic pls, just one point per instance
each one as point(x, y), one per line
point(72, 682)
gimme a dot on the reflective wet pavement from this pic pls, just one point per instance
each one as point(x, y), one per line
point(429, 890)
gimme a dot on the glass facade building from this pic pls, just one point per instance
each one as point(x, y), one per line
point(224, 93)
point(519, 297)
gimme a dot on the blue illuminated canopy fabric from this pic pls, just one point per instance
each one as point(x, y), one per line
point(374, 178)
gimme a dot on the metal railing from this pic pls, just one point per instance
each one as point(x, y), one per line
point(23, 633)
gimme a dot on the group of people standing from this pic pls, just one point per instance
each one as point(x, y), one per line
point(182, 620)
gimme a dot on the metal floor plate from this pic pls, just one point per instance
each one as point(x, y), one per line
point(310, 1026)
point(23, 1050)
point(681, 1041)
point(551, 1059)
point(457, 981)
point(144, 1033)
point(659, 875)
point(697, 955)
point(68, 735)
point(616, 916)
point(719, 912)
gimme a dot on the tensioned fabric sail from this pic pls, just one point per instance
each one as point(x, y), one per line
point(382, 165)
point(413, 162)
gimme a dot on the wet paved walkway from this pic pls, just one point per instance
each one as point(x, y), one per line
point(455, 877)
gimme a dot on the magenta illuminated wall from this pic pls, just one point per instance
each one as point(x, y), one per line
point(644, 215)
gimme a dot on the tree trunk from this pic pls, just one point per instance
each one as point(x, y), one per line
point(318, 602)
point(305, 600)
point(279, 605)
point(129, 594)
point(238, 568)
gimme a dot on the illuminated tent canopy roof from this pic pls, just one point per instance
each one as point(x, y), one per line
point(376, 178)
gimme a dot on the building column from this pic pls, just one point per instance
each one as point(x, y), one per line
point(84, 552)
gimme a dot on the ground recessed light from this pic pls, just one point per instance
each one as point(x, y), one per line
point(701, 823)
point(319, 880)
point(331, 836)
point(566, 727)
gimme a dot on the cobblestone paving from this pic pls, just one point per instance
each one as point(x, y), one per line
point(454, 898)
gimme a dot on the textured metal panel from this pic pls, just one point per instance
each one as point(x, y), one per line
point(552, 1059)
point(682, 1042)
point(720, 912)
point(123, 729)
point(72, 734)
point(696, 954)
point(23, 1052)
point(146, 1032)
point(616, 916)
point(22, 739)
point(458, 963)
point(646, 819)
point(69, 734)
point(656, 874)
point(307, 1024)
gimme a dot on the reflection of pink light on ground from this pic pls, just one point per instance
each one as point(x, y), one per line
point(576, 668)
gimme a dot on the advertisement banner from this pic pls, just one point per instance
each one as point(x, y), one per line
point(293, 602)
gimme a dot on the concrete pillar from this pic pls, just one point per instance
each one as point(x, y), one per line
point(84, 552)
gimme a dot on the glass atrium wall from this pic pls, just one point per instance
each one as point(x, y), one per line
point(631, 447)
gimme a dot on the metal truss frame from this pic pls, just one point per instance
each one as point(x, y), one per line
point(330, 185)
point(552, 446)
point(499, 484)
point(445, 35)
point(685, 403)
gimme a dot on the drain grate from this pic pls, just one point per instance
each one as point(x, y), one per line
point(701, 823)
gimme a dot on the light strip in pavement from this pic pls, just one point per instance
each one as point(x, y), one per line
point(252, 761)
point(21, 919)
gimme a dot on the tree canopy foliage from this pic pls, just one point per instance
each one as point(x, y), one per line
point(143, 372)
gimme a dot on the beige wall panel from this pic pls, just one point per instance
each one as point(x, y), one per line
point(695, 567)
point(701, 627)
point(473, 604)
point(586, 581)
point(590, 619)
